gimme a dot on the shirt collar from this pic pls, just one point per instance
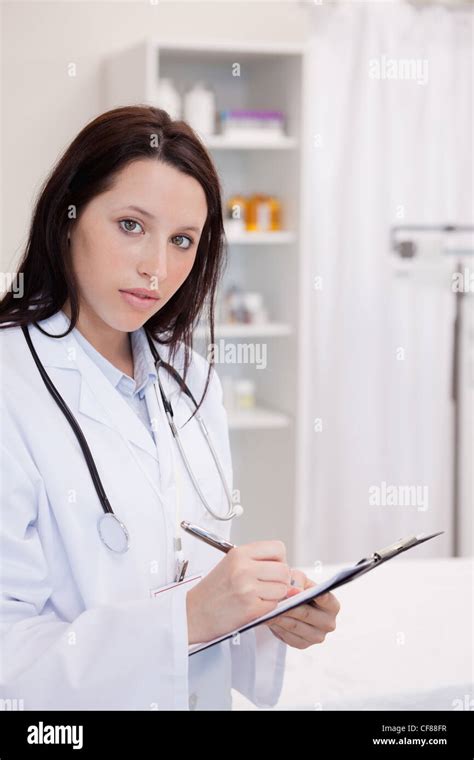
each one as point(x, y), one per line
point(144, 366)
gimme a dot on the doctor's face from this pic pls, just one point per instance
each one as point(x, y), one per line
point(117, 248)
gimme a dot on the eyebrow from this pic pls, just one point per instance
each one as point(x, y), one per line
point(150, 216)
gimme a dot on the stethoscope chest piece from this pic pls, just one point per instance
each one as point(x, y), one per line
point(113, 533)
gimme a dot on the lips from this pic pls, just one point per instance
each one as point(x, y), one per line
point(140, 302)
point(142, 293)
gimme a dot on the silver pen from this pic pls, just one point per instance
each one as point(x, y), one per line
point(209, 538)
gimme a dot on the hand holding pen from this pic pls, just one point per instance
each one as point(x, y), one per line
point(235, 595)
point(299, 580)
point(246, 584)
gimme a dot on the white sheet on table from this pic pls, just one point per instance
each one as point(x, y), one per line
point(360, 665)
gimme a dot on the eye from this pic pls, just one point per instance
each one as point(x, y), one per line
point(129, 221)
point(189, 240)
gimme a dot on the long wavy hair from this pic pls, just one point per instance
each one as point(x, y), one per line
point(88, 168)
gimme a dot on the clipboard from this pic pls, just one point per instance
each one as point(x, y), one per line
point(346, 575)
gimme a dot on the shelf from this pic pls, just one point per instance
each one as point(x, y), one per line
point(213, 47)
point(260, 238)
point(267, 329)
point(221, 142)
point(257, 418)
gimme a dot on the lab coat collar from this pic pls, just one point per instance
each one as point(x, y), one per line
point(95, 397)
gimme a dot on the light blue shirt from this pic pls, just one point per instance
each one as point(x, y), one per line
point(132, 390)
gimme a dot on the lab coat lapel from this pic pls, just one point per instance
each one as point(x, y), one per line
point(95, 398)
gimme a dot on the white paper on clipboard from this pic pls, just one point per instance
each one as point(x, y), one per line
point(344, 576)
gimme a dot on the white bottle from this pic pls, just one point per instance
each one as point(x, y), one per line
point(244, 394)
point(168, 98)
point(257, 314)
point(200, 109)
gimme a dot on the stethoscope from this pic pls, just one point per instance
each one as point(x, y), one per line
point(112, 531)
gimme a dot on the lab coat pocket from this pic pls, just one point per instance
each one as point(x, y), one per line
point(187, 584)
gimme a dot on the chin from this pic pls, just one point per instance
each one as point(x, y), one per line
point(127, 320)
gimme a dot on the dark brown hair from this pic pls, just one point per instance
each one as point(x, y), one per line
point(86, 169)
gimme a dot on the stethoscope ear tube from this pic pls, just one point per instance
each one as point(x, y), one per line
point(174, 374)
point(74, 424)
point(232, 512)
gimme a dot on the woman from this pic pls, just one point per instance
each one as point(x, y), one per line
point(134, 204)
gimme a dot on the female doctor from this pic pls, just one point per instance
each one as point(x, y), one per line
point(102, 591)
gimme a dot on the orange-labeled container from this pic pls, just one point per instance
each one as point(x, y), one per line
point(263, 213)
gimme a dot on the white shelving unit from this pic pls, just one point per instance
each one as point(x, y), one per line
point(257, 418)
point(266, 440)
point(222, 142)
point(261, 238)
point(265, 329)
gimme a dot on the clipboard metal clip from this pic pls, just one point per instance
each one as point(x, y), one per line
point(389, 551)
point(399, 546)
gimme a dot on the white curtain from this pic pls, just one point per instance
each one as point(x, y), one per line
point(386, 151)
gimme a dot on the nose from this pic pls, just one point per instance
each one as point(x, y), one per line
point(155, 264)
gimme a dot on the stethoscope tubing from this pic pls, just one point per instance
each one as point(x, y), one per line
point(106, 506)
point(100, 490)
point(170, 416)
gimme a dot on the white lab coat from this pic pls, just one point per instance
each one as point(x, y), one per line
point(79, 628)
